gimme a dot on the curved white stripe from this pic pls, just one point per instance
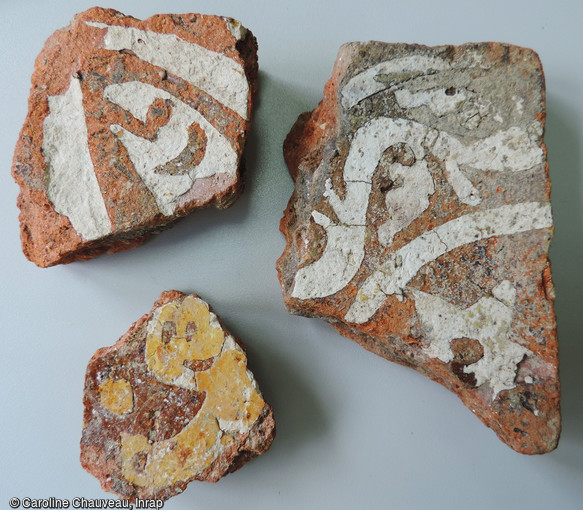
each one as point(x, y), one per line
point(408, 202)
point(344, 250)
point(171, 140)
point(216, 74)
point(366, 84)
point(339, 263)
point(404, 264)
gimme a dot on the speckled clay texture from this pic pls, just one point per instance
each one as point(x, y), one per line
point(421, 220)
point(131, 125)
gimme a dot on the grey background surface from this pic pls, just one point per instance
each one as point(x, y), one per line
point(354, 431)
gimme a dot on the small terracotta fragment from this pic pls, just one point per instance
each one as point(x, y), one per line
point(421, 221)
point(172, 401)
point(131, 125)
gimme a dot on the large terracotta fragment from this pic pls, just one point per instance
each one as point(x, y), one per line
point(131, 125)
point(421, 221)
point(172, 401)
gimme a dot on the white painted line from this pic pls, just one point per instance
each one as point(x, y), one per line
point(73, 188)
point(216, 74)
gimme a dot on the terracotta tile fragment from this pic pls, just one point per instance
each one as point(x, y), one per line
point(131, 125)
point(172, 401)
point(421, 221)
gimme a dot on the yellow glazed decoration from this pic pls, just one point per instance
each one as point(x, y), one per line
point(178, 333)
point(117, 396)
point(172, 401)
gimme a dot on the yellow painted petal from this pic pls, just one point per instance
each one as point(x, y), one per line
point(117, 396)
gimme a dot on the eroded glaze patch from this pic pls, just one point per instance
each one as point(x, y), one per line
point(488, 321)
